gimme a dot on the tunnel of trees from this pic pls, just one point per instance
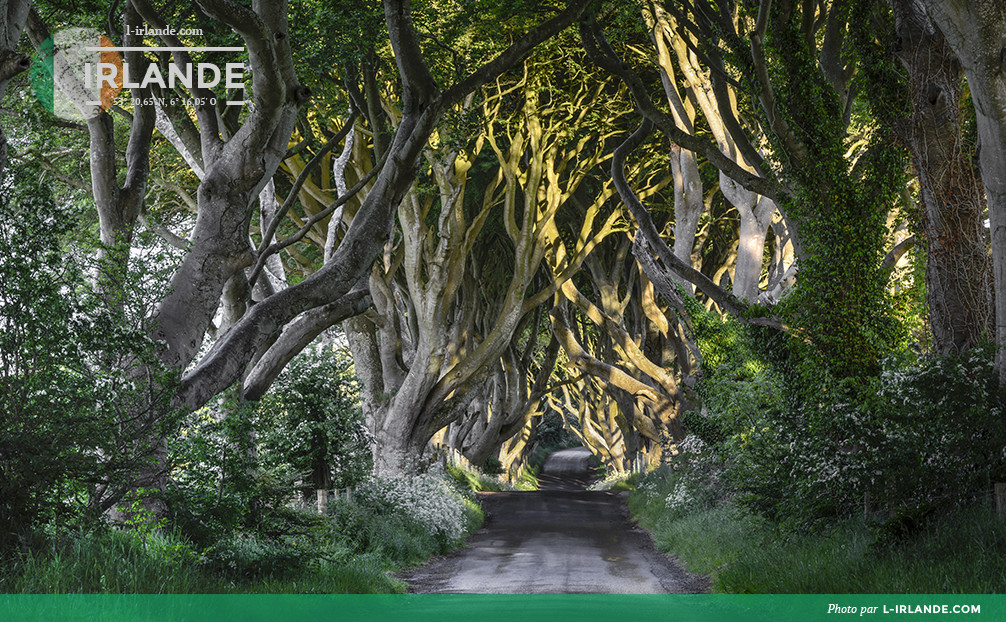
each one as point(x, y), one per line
point(774, 230)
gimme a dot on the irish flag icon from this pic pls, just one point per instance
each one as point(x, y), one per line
point(75, 76)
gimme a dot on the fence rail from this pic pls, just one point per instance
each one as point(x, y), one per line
point(451, 456)
point(325, 496)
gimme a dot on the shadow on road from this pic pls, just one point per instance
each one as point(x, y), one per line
point(560, 539)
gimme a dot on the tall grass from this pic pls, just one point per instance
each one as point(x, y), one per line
point(352, 549)
point(104, 560)
point(108, 561)
point(963, 551)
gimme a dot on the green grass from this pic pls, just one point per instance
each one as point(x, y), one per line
point(351, 550)
point(616, 481)
point(960, 552)
point(365, 574)
point(527, 478)
point(115, 562)
point(475, 480)
point(103, 561)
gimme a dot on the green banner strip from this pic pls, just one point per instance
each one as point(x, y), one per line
point(496, 608)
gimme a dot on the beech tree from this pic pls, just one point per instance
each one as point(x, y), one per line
point(13, 16)
point(235, 158)
point(926, 105)
point(702, 93)
point(973, 30)
point(798, 68)
point(648, 395)
point(497, 230)
point(423, 105)
point(444, 322)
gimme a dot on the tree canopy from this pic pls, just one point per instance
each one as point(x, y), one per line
point(733, 221)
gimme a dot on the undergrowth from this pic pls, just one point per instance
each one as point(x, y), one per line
point(477, 480)
point(961, 551)
point(387, 526)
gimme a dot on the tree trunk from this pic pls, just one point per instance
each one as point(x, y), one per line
point(13, 15)
point(958, 266)
point(973, 29)
point(688, 205)
point(756, 216)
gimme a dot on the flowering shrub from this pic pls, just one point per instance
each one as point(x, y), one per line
point(920, 435)
point(671, 494)
point(387, 522)
point(427, 500)
point(680, 498)
point(944, 427)
point(799, 445)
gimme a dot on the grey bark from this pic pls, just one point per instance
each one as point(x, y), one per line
point(13, 15)
point(688, 204)
point(298, 335)
point(423, 104)
point(649, 243)
point(514, 403)
point(718, 104)
point(974, 30)
point(958, 266)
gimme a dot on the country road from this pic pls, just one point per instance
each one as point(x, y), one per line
point(561, 539)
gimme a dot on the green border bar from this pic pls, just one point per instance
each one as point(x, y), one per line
point(496, 608)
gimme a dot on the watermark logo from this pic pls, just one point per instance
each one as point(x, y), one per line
point(79, 73)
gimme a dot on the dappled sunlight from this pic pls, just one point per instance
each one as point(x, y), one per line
point(295, 296)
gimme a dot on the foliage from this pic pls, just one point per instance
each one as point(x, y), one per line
point(959, 552)
point(385, 526)
point(527, 478)
point(616, 481)
point(103, 560)
point(37, 454)
point(806, 431)
point(553, 432)
point(926, 435)
point(311, 420)
point(942, 427)
point(236, 458)
point(475, 479)
point(213, 484)
point(804, 447)
point(841, 174)
point(107, 561)
point(407, 519)
point(73, 423)
point(428, 500)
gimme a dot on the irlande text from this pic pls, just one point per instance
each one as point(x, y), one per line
point(204, 76)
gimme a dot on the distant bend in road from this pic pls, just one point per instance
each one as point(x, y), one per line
point(561, 539)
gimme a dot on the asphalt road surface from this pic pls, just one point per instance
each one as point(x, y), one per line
point(561, 539)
